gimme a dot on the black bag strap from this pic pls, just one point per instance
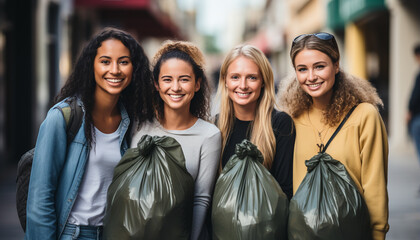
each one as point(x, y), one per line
point(73, 115)
point(338, 129)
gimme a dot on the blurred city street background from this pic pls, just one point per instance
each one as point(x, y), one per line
point(40, 40)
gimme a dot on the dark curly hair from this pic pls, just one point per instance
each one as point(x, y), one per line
point(189, 53)
point(135, 97)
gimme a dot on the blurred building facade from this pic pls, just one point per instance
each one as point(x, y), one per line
point(39, 42)
point(404, 28)
point(375, 37)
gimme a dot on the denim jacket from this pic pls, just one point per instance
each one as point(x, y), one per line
point(57, 172)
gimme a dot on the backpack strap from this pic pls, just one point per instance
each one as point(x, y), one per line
point(338, 129)
point(73, 115)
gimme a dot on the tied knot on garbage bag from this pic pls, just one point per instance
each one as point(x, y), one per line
point(320, 157)
point(146, 145)
point(246, 148)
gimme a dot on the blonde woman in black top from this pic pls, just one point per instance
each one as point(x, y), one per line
point(246, 89)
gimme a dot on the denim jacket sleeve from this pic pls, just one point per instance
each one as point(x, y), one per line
point(49, 157)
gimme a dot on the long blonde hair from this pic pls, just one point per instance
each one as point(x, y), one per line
point(261, 133)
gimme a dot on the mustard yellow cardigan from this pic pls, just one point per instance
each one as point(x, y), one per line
point(361, 146)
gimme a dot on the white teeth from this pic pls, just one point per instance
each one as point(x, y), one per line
point(243, 94)
point(116, 80)
point(175, 96)
point(315, 85)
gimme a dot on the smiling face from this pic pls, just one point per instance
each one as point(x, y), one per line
point(316, 75)
point(113, 68)
point(244, 83)
point(177, 84)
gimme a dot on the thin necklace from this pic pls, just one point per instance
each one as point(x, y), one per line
point(320, 134)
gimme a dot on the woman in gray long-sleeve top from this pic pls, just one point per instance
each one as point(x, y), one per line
point(181, 101)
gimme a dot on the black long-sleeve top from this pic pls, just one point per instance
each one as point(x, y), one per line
point(282, 166)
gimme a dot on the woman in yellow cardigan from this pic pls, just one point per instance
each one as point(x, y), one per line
point(318, 98)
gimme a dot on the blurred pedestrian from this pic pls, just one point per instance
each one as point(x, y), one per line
point(111, 81)
point(413, 114)
point(246, 90)
point(181, 102)
point(318, 98)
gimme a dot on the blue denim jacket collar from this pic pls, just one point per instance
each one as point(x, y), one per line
point(125, 123)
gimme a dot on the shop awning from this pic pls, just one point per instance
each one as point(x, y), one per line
point(341, 12)
point(142, 16)
point(334, 19)
point(119, 4)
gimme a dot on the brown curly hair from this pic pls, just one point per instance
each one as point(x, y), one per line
point(348, 90)
point(191, 54)
point(187, 47)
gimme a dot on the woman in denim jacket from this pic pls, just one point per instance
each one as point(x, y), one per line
point(67, 191)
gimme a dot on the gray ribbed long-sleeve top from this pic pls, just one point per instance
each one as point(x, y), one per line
point(201, 145)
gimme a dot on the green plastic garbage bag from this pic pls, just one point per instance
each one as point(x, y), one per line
point(151, 194)
point(248, 202)
point(327, 204)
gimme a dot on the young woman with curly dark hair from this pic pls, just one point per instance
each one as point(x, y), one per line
point(111, 81)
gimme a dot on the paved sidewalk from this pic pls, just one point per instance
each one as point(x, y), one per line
point(403, 187)
point(404, 197)
point(10, 228)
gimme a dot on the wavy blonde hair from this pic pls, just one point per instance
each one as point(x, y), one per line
point(348, 90)
point(261, 129)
